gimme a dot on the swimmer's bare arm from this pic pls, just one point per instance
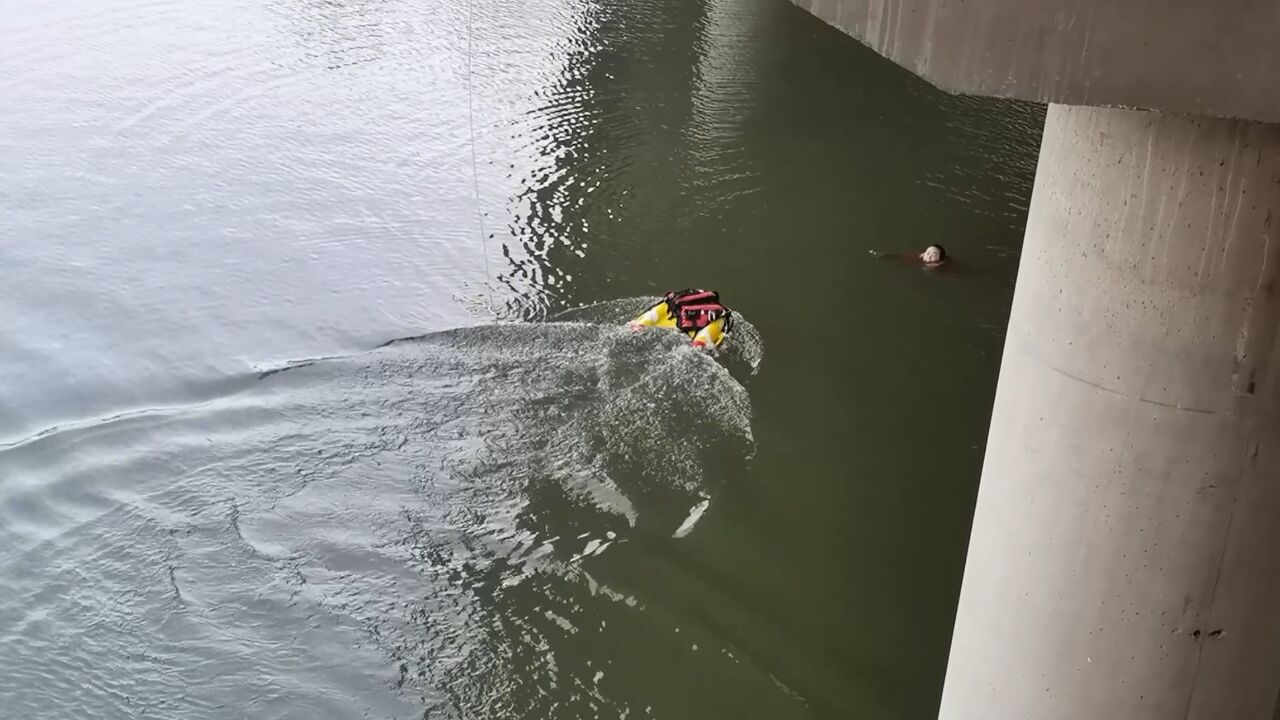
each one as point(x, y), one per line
point(893, 256)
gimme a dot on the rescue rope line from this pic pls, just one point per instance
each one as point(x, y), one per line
point(475, 167)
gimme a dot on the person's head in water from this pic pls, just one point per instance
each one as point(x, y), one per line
point(933, 255)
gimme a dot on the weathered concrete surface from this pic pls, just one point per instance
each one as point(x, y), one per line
point(1209, 57)
point(1125, 555)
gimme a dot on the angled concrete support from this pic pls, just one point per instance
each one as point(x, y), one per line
point(1125, 555)
point(1207, 57)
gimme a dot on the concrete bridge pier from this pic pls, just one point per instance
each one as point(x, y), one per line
point(1125, 554)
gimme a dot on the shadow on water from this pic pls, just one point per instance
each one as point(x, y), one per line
point(750, 148)
point(427, 516)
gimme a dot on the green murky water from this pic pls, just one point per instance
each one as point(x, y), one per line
point(518, 513)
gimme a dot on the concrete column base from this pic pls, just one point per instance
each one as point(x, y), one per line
point(1125, 554)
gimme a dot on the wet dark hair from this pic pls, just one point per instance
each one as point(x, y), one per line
point(942, 252)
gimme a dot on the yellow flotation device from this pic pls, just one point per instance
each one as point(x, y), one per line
point(696, 313)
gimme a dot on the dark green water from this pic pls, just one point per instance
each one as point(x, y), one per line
point(501, 518)
point(768, 160)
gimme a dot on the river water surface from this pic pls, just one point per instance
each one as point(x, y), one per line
point(313, 401)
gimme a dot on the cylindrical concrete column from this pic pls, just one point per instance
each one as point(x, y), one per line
point(1125, 554)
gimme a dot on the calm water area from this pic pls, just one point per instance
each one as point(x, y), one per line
point(315, 403)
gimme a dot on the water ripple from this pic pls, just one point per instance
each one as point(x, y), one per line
point(435, 505)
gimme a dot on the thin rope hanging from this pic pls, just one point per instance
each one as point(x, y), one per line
point(475, 168)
